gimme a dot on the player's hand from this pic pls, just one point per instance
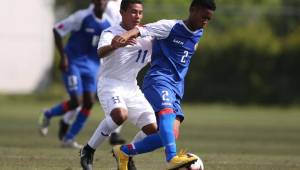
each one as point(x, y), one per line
point(63, 64)
point(131, 41)
point(118, 41)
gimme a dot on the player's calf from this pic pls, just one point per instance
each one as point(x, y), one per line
point(62, 129)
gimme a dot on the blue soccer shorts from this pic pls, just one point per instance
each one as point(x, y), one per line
point(80, 79)
point(162, 98)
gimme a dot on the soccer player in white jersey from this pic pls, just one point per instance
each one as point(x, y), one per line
point(174, 45)
point(118, 92)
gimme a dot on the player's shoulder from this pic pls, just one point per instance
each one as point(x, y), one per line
point(82, 13)
point(168, 22)
point(115, 29)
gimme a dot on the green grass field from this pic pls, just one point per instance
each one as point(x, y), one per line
point(225, 137)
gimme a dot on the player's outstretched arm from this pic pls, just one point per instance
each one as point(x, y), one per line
point(59, 45)
point(133, 33)
point(105, 50)
point(116, 42)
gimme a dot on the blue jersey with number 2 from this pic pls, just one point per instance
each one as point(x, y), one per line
point(173, 48)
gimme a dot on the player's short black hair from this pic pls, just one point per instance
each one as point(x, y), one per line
point(125, 3)
point(209, 4)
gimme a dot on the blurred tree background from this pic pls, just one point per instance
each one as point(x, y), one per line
point(249, 53)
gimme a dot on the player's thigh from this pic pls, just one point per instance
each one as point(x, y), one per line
point(73, 81)
point(110, 97)
point(89, 82)
point(140, 112)
point(160, 97)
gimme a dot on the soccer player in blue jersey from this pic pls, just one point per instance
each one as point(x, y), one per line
point(79, 64)
point(175, 43)
point(112, 14)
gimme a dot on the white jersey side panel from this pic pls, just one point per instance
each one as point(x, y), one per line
point(159, 30)
point(124, 63)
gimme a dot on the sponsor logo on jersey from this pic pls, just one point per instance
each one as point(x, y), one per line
point(89, 30)
point(166, 103)
point(178, 42)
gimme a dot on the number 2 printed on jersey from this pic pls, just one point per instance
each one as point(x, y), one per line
point(184, 57)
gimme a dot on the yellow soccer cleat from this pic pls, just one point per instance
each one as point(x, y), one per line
point(121, 158)
point(180, 160)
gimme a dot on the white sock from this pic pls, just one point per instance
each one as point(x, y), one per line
point(103, 131)
point(70, 115)
point(139, 136)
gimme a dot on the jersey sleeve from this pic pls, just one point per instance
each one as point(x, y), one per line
point(112, 12)
point(71, 23)
point(105, 38)
point(159, 30)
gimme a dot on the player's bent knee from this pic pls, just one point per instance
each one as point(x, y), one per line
point(88, 104)
point(150, 129)
point(119, 115)
point(147, 123)
point(73, 104)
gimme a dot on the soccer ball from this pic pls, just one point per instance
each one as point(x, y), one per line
point(198, 165)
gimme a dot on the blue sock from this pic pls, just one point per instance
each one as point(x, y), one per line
point(77, 124)
point(166, 124)
point(148, 144)
point(57, 110)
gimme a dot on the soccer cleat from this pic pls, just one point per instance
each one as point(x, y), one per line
point(115, 139)
point(86, 159)
point(131, 164)
point(63, 129)
point(180, 160)
point(43, 124)
point(70, 144)
point(121, 158)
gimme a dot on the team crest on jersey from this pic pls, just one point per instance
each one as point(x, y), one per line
point(90, 30)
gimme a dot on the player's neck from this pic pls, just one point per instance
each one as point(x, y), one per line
point(126, 27)
point(189, 25)
point(98, 14)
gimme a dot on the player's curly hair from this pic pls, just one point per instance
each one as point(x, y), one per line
point(126, 3)
point(209, 4)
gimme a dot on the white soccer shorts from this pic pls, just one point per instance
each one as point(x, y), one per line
point(114, 93)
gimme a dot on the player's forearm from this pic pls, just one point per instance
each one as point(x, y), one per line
point(105, 50)
point(58, 43)
point(131, 33)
